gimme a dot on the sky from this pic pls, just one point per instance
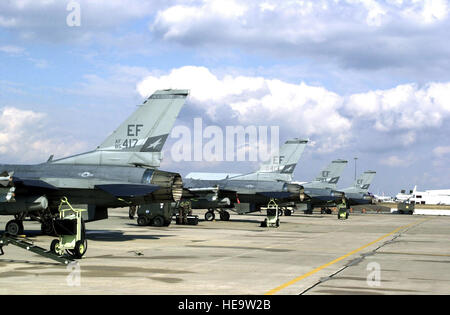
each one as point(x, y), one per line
point(358, 78)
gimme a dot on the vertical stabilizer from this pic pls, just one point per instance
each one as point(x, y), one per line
point(140, 138)
point(281, 166)
point(329, 177)
point(287, 158)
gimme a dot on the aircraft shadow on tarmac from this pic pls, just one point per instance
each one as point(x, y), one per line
point(119, 236)
point(260, 219)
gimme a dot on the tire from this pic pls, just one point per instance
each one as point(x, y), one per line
point(158, 221)
point(224, 216)
point(264, 223)
point(210, 216)
point(131, 212)
point(277, 223)
point(328, 211)
point(280, 213)
point(54, 248)
point(14, 227)
point(346, 215)
point(79, 250)
point(142, 221)
point(287, 213)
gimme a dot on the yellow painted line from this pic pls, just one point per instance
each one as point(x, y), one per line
point(306, 275)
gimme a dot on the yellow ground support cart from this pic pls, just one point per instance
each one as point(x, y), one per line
point(70, 229)
point(342, 209)
point(272, 219)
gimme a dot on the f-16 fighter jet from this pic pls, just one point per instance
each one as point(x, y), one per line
point(120, 172)
point(247, 192)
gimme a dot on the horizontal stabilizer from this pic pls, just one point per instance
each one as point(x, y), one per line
point(126, 190)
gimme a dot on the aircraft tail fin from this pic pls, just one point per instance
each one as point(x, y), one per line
point(147, 129)
point(281, 165)
point(364, 181)
point(140, 138)
point(330, 176)
point(287, 158)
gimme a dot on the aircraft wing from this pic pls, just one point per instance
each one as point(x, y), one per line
point(127, 190)
point(33, 183)
point(275, 194)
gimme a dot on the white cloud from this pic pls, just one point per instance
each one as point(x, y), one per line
point(356, 34)
point(46, 19)
point(395, 161)
point(441, 151)
point(405, 107)
point(425, 11)
point(306, 110)
point(11, 49)
point(23, 137)
point(328, 118)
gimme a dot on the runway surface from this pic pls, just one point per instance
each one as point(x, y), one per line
point(307, 254)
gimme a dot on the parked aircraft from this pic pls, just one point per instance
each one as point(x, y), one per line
point(247, 192)
point(119, 172)
point(358, 194)
point(321, 192)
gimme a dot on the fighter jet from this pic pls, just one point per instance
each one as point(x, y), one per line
point(322, 190)
point(358, 193)
point(119, 172)
point(247, 192)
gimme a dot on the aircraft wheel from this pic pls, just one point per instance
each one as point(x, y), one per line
point(209, 216)
point(158, 221)
point(142, 221)
point(224, 216)
point(131, 212)
point(14, 227)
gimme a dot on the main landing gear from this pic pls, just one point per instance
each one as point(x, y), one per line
point(223, 214)
point(324, 210)
point(14, 227)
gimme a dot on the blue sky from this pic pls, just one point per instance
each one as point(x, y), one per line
point(359, 78)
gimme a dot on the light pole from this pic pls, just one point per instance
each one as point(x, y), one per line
point(355, 166)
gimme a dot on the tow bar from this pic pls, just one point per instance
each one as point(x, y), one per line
point(26, 244)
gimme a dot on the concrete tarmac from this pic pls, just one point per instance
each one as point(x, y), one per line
point(307, 254)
